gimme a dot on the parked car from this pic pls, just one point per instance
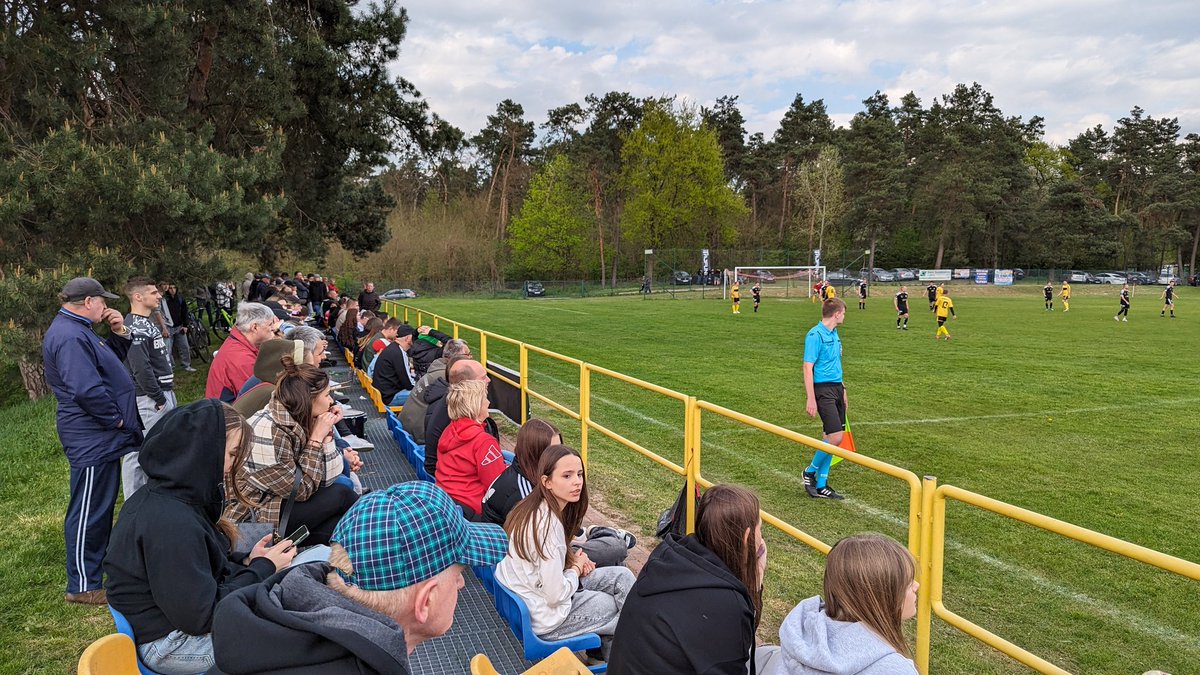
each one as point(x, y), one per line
point(841, 278)
point(1080, 277)
point(1166, 279)
point(1018, 274)
point(1136, 277)
point(681, 278)
point(765, 276)
point(1109, 278)
point(534, 289)
point(877, 274)
point(904, 274)
point(399, 294)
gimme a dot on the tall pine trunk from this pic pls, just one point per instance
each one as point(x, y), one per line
point(33, 376)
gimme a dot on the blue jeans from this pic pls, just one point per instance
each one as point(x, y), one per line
point(178, 653)
point(400, 397)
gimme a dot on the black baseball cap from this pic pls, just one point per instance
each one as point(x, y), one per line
point(81, 288)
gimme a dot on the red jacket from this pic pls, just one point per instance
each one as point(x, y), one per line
point(231, 367)
point(469, 459)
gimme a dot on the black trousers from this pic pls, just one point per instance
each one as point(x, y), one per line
point(89, 522)
point(321, 513)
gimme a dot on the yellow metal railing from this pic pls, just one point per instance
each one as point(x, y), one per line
point(926, 500)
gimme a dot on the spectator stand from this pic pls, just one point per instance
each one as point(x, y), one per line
point(478, 628)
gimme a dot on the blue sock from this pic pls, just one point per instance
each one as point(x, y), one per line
point(820, 466)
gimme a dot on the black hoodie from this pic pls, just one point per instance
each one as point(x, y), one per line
point(167, 563)
point(293, 623)
point(686, 613)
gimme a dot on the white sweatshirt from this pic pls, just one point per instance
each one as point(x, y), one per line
point(543, 584)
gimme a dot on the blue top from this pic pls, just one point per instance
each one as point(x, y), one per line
point(823, 349)
point(95, 393)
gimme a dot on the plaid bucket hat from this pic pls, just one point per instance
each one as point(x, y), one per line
point(410, 532)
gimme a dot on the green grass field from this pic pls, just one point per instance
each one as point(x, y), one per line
point(1071, 415)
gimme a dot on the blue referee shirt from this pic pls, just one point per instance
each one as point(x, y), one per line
point(823, 349)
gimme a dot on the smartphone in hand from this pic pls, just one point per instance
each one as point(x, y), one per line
point(299, 535)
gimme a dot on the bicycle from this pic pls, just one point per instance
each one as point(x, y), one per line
point(197, 336)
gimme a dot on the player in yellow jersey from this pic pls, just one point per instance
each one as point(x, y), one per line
point(736, 294)
point(945, 310)
point(937, 295)
point(1065, 294)
point(830, 292)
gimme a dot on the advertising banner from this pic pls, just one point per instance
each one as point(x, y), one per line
point(1004, 277)
point(962, 273)
point(934, 275)
point(981, 276)
point(704, 260)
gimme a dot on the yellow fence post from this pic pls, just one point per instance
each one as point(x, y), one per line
point(924, 572)
point(524, 382)
point(483, 349)
point(585, 409)
point(435, 321)
point(455, 330)
point(689, 462)
point(406, 314)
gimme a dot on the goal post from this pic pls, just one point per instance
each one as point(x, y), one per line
point(791, 281)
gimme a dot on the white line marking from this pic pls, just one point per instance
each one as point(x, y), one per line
point(1017, 415)
point(563, 309)
point(1141, 624)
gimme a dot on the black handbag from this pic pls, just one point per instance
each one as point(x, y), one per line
point(250, 533)
point(674, 519)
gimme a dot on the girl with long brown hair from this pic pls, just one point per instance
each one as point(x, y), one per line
point(294, 433)
point(170, 557)
point(698, 601)
point(514, 483)
point(857, 628)
point(567, 595)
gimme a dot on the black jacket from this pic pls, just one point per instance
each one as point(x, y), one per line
point(177, 306)
point(686, 613)
point(368, 301)
point(424, 353)
point(391, 376)
point(437, 418)
point(505, 492)
point(293, 623)
point(317, 291)
point(167, 564)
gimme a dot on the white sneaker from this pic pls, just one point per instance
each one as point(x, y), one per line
point(1126, 319)
point(359, 444)
point(1116, 318)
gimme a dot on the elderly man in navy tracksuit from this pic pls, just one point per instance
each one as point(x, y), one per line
point(97, 423)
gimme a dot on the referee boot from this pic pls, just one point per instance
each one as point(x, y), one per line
point(810, 483)
point(825, 493)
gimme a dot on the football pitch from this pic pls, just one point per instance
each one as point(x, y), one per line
point(1072, 415)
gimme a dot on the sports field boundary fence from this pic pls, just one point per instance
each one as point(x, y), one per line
point(926, 528)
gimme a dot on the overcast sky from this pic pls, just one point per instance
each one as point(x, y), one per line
point(1075, 63)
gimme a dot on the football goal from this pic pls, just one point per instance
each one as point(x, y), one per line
point(778, 282)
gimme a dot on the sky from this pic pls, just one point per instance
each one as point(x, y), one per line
point(1074, 63)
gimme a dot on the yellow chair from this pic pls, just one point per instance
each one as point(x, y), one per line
point(110, 655)
point(561, 662)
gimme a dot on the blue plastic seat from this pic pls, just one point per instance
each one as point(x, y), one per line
point(512, 609)
point(124, 628)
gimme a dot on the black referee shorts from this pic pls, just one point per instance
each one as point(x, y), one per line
point(831, 406)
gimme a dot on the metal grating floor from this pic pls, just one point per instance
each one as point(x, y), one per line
point(477, 628)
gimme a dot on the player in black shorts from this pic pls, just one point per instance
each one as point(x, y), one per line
point(1168, 297)
point(1048, 292)
point(862, 294)
point(1123, 313)
point(757, 292)
point(931, 291)
point(902, 308)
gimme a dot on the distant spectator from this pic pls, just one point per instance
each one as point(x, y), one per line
point(234, 361)
point(413, 415)
point(256, 393)
point(378, 343)
point(294, 433)
point(149, 360)
point(392, 582)
point(170, 561)
point(372, 331)
point(97, 423)
point(427, 348)
point(394, 375)
point(567, 595)
point(347, 332)
point(697, 603)
point(246, 288)
point(302, 289)
point(175, 314)
point(347, 311)
point(437, 418)
point(870, 591)
point(369, 299)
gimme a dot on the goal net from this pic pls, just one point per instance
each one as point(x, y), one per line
point(778, 282)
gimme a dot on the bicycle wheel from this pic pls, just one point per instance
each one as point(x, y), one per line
point(198, 339)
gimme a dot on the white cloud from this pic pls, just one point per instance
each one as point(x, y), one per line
point(1072, 62)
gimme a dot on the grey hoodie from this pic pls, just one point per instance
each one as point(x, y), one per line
point(813, 643)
